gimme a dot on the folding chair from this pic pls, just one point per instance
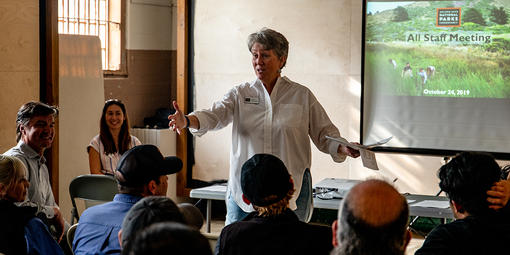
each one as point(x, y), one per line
point(93, 189)
point(70, 235)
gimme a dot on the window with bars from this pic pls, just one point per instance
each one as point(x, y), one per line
point(103, 18)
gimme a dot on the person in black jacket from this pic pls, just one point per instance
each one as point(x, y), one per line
point(479, 229)
point(273, 228)
point(21, 231)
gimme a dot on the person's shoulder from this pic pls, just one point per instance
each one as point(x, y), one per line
point(244, 86)
point(35, 223)
point(289, 84)
point(15, 151)
point(247, 224)
point(94, 143)
point(18, 152)
point(96, 212)
point(95, 140)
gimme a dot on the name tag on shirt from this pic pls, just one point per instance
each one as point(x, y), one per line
point(251, 100)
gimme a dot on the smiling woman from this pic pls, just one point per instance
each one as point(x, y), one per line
point(113, 140)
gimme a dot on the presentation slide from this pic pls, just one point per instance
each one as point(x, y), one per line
point(436, 75)
point(438, 48)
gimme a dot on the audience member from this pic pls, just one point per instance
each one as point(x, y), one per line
point(113, 140)
point(150, 210)
point(22, 232)
point(192, 215)
point(170, 238)
point(499, 194)
point(478, 228)
point(141, 172)
point(372, 219)
point(273, 228)
point(35, 130)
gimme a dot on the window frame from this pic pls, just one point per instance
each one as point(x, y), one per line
point(122, 71)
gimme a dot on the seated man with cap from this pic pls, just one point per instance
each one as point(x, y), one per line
point(273, 228)
point(141, 172)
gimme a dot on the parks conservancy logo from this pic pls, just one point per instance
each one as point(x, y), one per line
point(448, 17)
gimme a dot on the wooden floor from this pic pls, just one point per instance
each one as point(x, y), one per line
point(217, 225)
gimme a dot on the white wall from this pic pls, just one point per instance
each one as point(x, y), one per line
point(324, 55)
point(151, 25)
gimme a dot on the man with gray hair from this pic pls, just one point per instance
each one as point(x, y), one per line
point(372, 219)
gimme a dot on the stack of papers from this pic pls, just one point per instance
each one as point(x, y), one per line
point(367, 156)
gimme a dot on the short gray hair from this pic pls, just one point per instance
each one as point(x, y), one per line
point(270, 40)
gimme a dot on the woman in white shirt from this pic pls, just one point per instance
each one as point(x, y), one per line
point(272, 115)
point(113, 140)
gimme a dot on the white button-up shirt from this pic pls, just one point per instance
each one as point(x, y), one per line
point(277, 124)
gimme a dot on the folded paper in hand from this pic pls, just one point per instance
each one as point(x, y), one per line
point(367, 156)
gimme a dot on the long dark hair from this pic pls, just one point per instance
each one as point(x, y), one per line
point(104, 132)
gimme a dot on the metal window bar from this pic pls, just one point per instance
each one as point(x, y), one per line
point(73, 19)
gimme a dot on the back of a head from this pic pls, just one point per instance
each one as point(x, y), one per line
point(373, 220)
point(466, 179)
point(140, 165)
point(170, 238)
point(266, 183)
point(192, 215)
point(147, 211)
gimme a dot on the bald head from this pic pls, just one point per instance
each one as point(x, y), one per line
point(373, 217)
point(375, 202)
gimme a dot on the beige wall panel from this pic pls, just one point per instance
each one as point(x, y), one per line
point(19, 43)
point(151, 26)
point(17, 88)
point(81, 96)
point(19, 63)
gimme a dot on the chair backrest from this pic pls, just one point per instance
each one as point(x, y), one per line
point(91, 188)
point(70, 235)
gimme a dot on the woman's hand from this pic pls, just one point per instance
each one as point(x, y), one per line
point(177, 120)
point(348, 151)
point(499, 194)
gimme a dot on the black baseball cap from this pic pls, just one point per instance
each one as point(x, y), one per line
point(143, 163)
point(265, 179)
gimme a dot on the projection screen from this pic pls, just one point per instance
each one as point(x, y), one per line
point(436, 76)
